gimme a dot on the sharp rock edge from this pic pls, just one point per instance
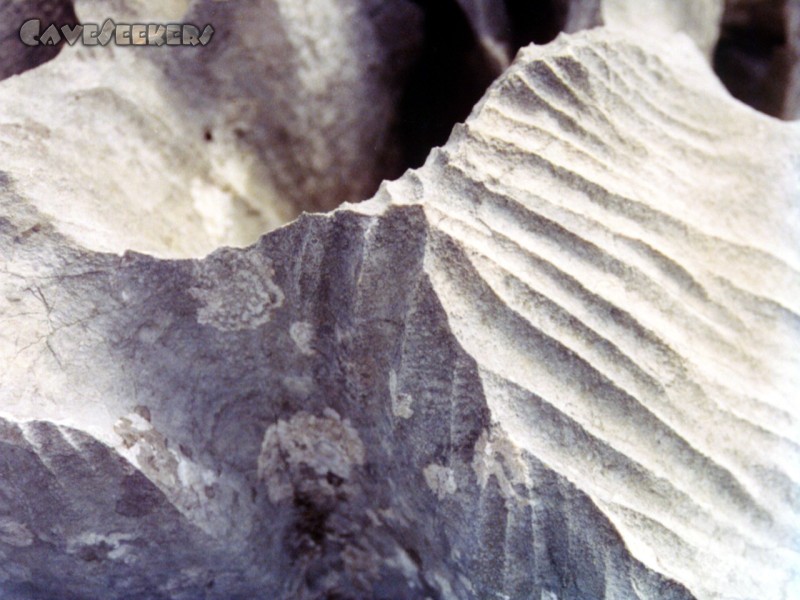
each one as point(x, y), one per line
point(558, 361)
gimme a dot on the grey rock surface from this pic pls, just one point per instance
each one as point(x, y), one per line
point(16, 57)
point(791, 109)
point(557, 361)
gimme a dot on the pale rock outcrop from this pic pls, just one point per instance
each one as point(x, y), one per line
point(177, 151)
point(557, 361)
point(699, 19)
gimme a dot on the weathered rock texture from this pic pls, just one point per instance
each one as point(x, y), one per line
point(177, 151)
point(558, 361)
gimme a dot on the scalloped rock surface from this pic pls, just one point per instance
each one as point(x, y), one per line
point(559, 361)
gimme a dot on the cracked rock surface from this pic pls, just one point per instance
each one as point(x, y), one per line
point(558, 361)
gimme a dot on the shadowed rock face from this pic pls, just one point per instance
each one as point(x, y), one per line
point(15, 57)
point(556, 361)
point(758, 55)
point(343, 446)
point(504, 26)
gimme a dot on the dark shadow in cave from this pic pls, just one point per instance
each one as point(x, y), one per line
point(754, 57)
point(453, 70)
point(16, 57)
point(537, 21)
point(448, 78)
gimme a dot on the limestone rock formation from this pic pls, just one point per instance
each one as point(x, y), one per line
point(558, 361)
point(699, 19)
point(177, 151)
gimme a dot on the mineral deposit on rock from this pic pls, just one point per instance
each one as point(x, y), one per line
point(558, 361)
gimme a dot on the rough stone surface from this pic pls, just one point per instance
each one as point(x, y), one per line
point(699, 19)
point(177, 151)
point(557, 361)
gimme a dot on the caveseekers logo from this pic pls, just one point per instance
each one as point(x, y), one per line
point(90, 34)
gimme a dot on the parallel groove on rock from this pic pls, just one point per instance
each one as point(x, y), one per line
point(655, 350)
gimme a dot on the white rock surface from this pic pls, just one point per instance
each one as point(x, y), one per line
point(558, 361)
point(643, 305)
point(699, 19)
point(178, 151)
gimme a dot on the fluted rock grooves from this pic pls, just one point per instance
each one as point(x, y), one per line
point(558, 361)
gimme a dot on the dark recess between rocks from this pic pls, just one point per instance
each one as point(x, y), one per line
point(448, 78)
point(453, 71)
point(535, 21)
point(15, 57)
point(755, 54)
